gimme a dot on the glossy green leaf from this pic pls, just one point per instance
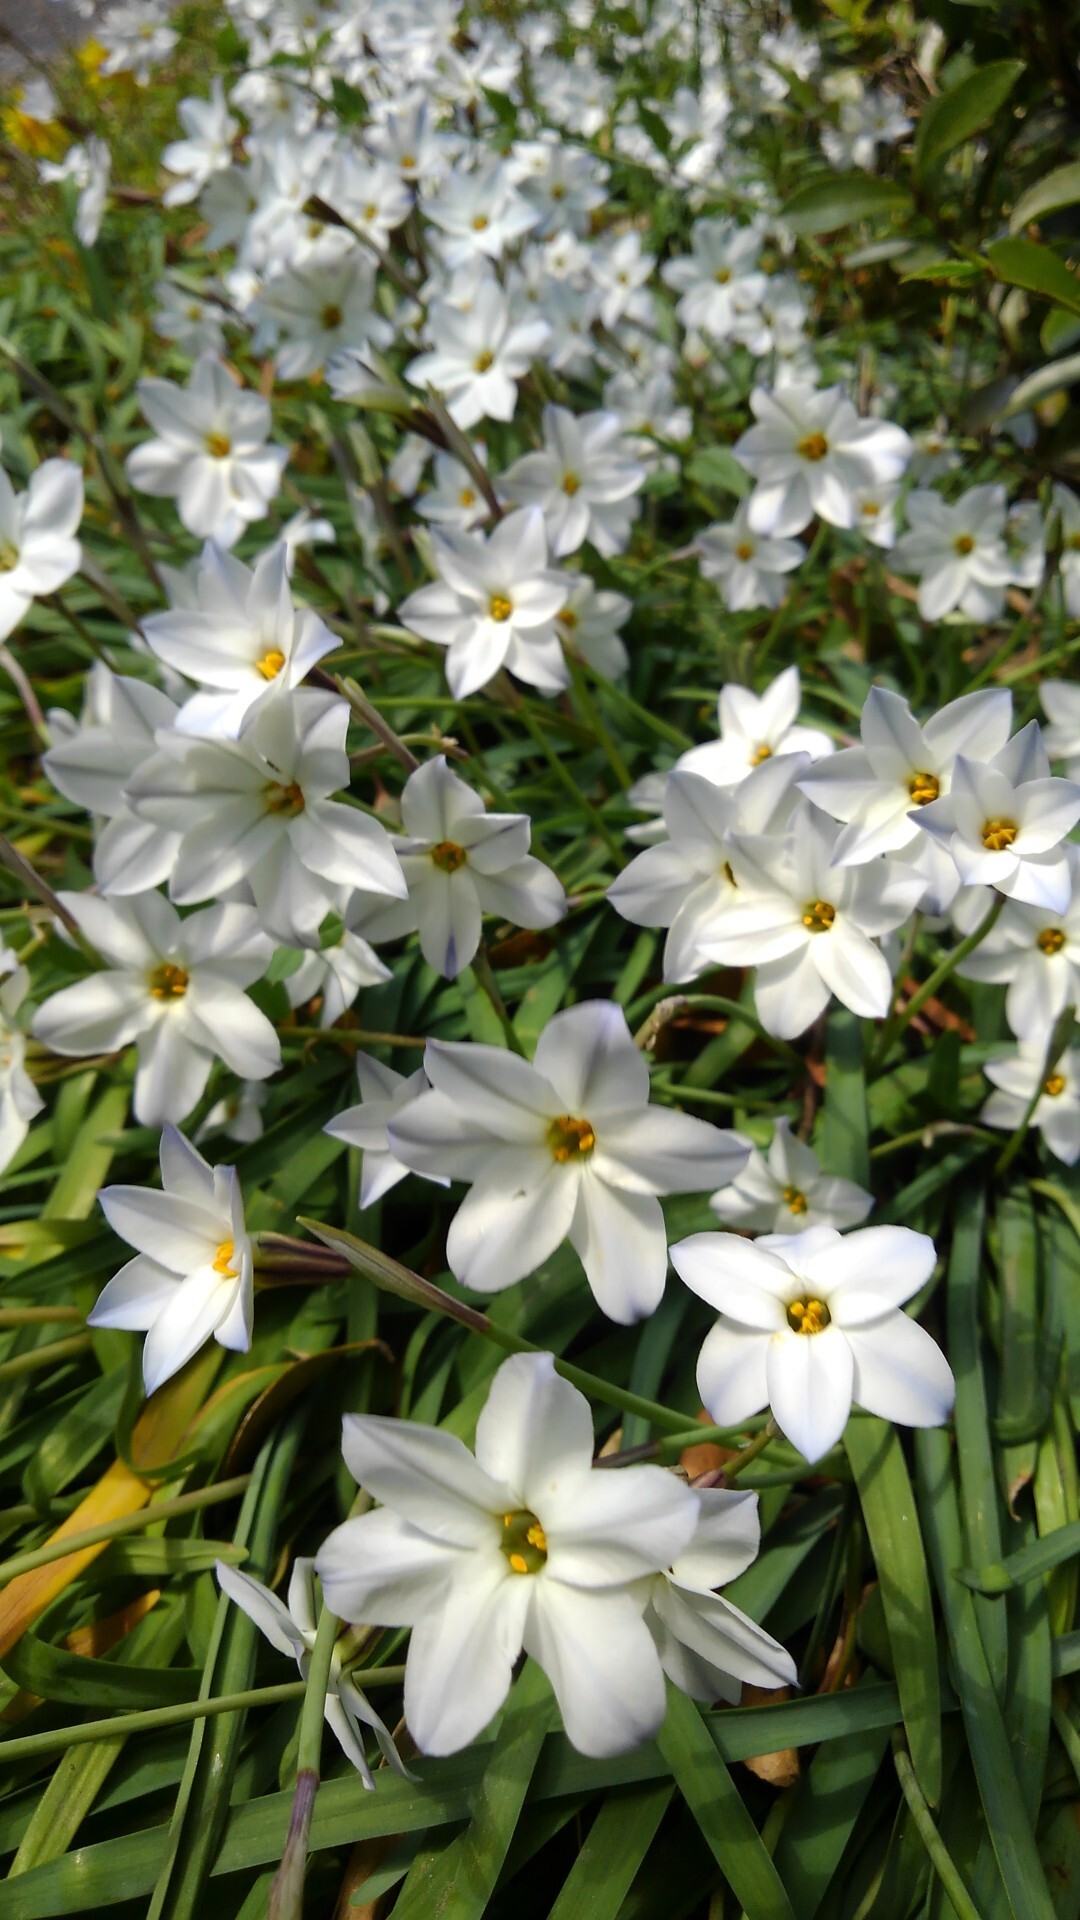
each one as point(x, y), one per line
point(836, 199)
point(714, 1800)
point(955, 115)
point(1038, 269)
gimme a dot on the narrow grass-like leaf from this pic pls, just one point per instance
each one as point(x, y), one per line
point(617, 1843)
point(715, 1802)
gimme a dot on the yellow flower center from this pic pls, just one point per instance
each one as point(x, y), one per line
point(448, 856)
point(818, 916)
point(480, 221)
point(1054, 1085)
point(998, 835)
point(218, 445)
point(499, 607)
point(794, 1201)
point(722, 276)
point(168, 982)
point(870, 509)
point(813, 446)
point(370, 210)
point(330, 317)
point(1050, 940)
point(570, 1139)
point(570, 484)
point(9, 557)
point(567, 618)
point(466, 498)
point(524, 1541)
point(282, 799)
point(923, 787)
point(808, 1316)
point(223, 1259)
point(964, 543)
point(744, 551)
point(483, 361)
point(408, 160)
point(271, 664)
point(761, 752)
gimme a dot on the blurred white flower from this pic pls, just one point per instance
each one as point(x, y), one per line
point(785, 1191)
point(211, 454)
point(1018, 1076)
point(755, 727)
point(707, 1647)
point(584, 481)
point(749, 567)
point(92, 764)
point(1004, 820)
point(478, 356)
point(20, 1100)
point(383, 1095)
point(958, 552)
point(493, 605)
point(38, 548)
point(207, 149)
point(811, 454)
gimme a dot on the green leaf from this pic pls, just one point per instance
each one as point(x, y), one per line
point(845, 1123)
point(952, 273)
point(713, 1799)
point(615, 1847)
point(1038, 269)
point(954, 116)
point(836, 199)
point(892, 1523)
point(717, 468)
point(826, 1804)
point(1061, 188)
point(80, 1681)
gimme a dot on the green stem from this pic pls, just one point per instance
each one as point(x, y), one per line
point(566, 779)
point(485, 979)
point(40, 1357)
point(898, 1021)
point(128, 1523)
point(287, 1891)
point(940, 1858)
point(590, 713)
point(1059, 1039)
point(35, 1746)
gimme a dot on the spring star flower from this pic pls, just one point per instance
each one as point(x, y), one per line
point(1018, 1076)
point(584, 481)
point(785, 1191)
point(174, 987)
point(1032, 950)
point(493, 605)
point(1060, 700)
point(291, 1629)
point(755, 727)
point(958, 552)
point(257, 812)
point(567, 1147)
point(20, 1101)
point(91, 765)
point(211, 454)
point(749, 567)
point(809, 926)
point(192, 1278)
point(811, 454)
point(722, 265)
point(478, 356)
point(524, 1547)
point(707, 1647)
point(460, 862)
point(245, 638)
point(811, 1322)
point(1004, 820)
point(38, 548)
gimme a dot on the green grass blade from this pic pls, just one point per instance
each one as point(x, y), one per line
point(713, 1799)
point(615, 1847)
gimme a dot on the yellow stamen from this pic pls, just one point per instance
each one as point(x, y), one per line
point(223, 1258)
point(282, 799)
point(761, 752)
point(168, 982)
point(818, 916)
point(722, 276)
point(466, 498)
point(744, 551)
point(1054, 1085)
point(963, 543)
point(1051, 940)
point(813, 447)
point(570, 484)
point(808, 1316)
point(998, 835)
point(567, 618)
point(524, 1541)
point(480, 221)
point(923, 787)
point(448, 856)
point(271, 664)
point(218, 445)
point(570, 1139)
point(9, 557)
point(330, 317)
point(483, 361)
point(794, 1201)
point(499, 607)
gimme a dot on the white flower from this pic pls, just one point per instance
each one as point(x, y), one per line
point(707, 1647)
point(478, 214)
point(192, 1278)
point(620, 270)
point(210, 130)
point(493, 605)
point(1033, 949)
point(20, 1100)
point(1068, 509)
point(455, 500)
point(567, 1147)
point(589, 625)
point(523, 1546)
point(384, 1094)
point(811, 1322)
point(1016, 1078)
point(88, 166)
point(1060, 700)
point(722, 264)
point(459, 862)
point(38, 548)
point(584, 481)
point(755, 727)
point(808, 926)
point(373, 198)
point(1025, 543)
point(195, 324)
point(785, 1191)
point(335, 970)
point(93, 764)
point(875, 510)
point(879, 787)
point(478, 356)
point(256, 812)
point(811, 454)
point(322, 307)
point(244, 636)
point(211, 454)
point(1004, 820)
point(174, 987)
point(137, 37)
point(291, 1629)
point(749, 566)
point(685, 882)
point(958, 552)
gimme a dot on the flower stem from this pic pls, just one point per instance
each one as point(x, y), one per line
point(1060, 1034)
point(590, 713)
point(485, 979)
point(940, 1858)
point(899, 1020)
point(70, 1543)
point(287, 1891)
